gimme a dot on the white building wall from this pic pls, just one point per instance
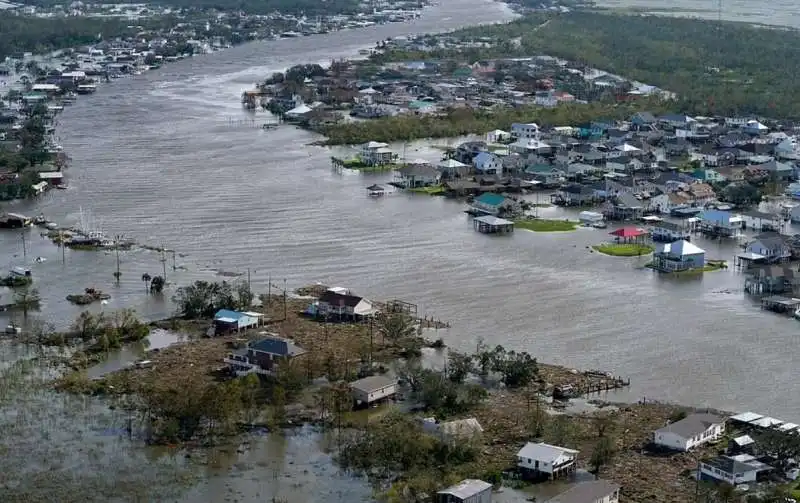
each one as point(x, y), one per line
point(671, 441)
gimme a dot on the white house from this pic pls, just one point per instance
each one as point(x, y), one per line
point(376, 153)
point(530, 146)
point(497, 136)
point(775, 247)
point(667, 232)
point(596, 491)
point(754, 127)
point(466, 491)
point(373, 389)
point(689, 432)
point(735, 470)
point(487, 163)
point(525, 131)
point(545, 459)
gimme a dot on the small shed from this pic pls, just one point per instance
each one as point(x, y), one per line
point(466, 491)
point(373, 389)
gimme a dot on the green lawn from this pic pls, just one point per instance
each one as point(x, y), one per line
point(433, 190)
point(543, 225)
point(711, 265)
point(623, 249)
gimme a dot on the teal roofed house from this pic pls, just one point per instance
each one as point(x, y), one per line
point(707, 175)
point(494, 204)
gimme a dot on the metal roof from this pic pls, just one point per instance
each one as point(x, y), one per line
point(492, 220)
point(587, 492)
point(692, 425)
point(766, 422)
point(226, 314)
point(746, 417)
point(466, 488)
point(372, 383)
point(544, 452)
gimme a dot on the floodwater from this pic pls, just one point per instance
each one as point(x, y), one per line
point(771, 12)
point(157, 159)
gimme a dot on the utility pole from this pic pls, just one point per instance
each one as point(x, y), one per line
point(284, 298)
point(164, 263)
point(24, 246)
point(63, 247)
point(371, 325)
point(174, 265)
point(249, 285)
point(117, 274)
point(269, 289)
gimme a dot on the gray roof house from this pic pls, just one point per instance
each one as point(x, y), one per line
point(596, 491)
point(372, 389)
point(466, 491)
point(689, 432)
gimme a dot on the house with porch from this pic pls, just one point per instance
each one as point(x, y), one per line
point(414, 176)
point(692, 431)
point(373, 389)
point(575, 194)
point(376, 153)
point(771, 279)
point(761, 221)
point(341, 304)
point(540, 460)
point(494, 204)
point(227, 321)
point(524, 131)
point(264, 356)
point(667, 232)
point(546, 174)
point(774, 247)
point(720, 223)
point(487, 163)
point(678, 256)
point(734, 470)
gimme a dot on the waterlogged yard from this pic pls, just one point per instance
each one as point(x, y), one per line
point(86, 449)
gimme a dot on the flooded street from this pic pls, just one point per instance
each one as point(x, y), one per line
point(156, 158)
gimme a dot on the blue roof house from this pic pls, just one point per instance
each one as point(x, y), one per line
point(494, 204)
point(233, 321)
point(487, 163)
point(263, 356)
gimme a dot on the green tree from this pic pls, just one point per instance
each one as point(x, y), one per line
point(459, 366)
point(396, 327)
point(602, 454)
point(27, 299)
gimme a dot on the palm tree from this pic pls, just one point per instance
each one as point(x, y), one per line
point(146, 278)
point(27, 299)
point(157, 285)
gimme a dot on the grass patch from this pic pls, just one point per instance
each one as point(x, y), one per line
point(711, 265)
point(433, 190)
point(544, 225)
point(623, 249)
